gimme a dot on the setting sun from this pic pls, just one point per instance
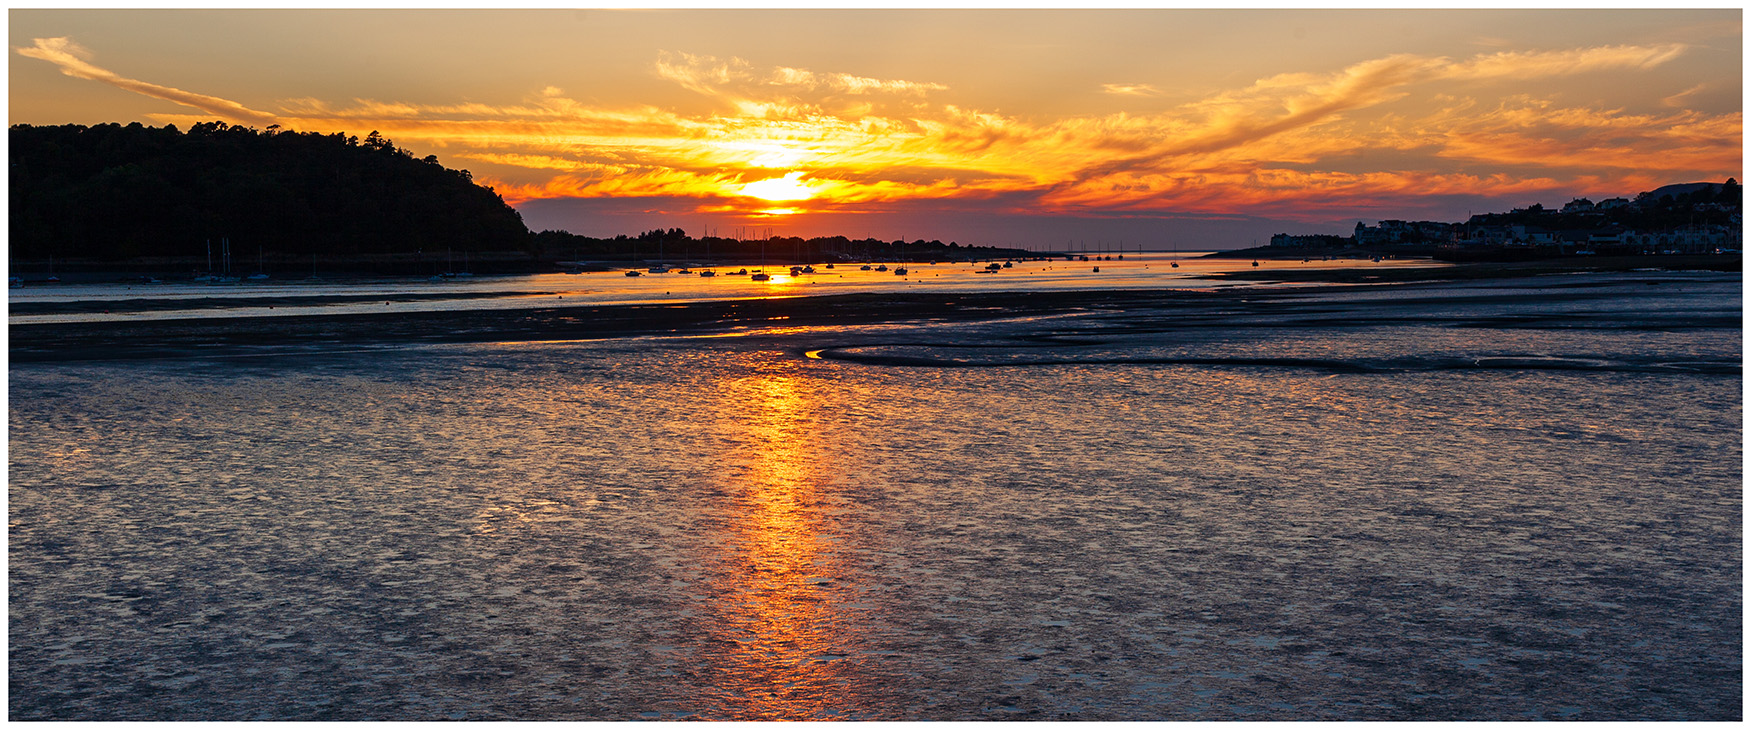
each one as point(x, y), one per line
point(779, 189)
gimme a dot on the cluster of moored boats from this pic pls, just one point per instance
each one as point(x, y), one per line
point(761, 275)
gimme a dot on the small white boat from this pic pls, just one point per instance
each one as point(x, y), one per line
point(633, 272)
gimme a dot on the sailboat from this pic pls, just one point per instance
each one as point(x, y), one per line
point(261, 272)
point(224, 276)
point(209, 276)
point(761, 275)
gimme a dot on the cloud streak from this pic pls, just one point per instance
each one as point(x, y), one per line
point(736, 78)
point(1290, 102)
point(63, 52)
point(1130, 89)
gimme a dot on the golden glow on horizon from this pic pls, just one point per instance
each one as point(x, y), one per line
point(1302, 142)
point(779, 189)
point(775, 596)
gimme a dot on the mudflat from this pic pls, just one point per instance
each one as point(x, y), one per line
point(256, 335)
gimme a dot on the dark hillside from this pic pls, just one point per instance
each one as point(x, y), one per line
point(111, 192)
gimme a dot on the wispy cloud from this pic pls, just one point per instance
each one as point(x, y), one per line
point(1130, 89)
point(847, 83)
point(1529, 64)
point(73, 61)
point(736, 78)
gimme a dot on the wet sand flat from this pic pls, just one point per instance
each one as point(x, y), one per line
point(122, 339)
point(1494, 499)
point(170, 338)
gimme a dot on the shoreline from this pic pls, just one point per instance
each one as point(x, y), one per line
point(74, 341)
point(254, 336)
point(1490, 270)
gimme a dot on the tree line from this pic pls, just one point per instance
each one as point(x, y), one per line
point(111, 192)
point(673, 244)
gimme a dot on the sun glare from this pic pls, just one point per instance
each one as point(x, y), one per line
point(779, 189)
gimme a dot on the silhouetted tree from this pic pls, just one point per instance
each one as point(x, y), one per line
point(111, 192)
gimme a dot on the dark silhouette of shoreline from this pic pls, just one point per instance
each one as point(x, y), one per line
point(232, 200)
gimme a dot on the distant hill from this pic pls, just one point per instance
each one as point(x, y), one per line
point(112, 192)
point(1680, 189)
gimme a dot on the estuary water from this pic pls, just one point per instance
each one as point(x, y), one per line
point(299, 295)
point(1505, 500)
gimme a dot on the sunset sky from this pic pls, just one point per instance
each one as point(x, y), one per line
point(1189, 128)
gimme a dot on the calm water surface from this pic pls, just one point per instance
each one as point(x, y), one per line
point(1479, 509)
point(297, 295)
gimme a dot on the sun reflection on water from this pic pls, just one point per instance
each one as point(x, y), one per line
point(783, 643)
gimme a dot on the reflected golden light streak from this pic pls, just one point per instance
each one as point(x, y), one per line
point(786, 644)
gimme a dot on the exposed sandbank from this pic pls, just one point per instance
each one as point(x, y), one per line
point(248, 336)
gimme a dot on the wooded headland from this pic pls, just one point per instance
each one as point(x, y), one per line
point(148, 199)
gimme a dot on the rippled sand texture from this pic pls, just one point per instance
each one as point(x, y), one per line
point(728, 529)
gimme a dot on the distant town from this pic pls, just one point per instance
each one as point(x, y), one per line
point(1689, 218)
